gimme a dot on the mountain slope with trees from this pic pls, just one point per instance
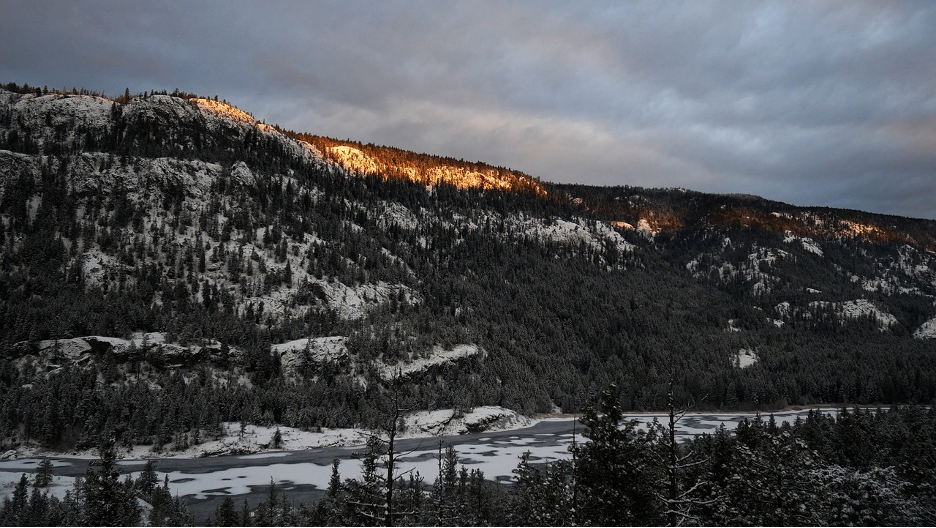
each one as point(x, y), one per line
point(223, 239)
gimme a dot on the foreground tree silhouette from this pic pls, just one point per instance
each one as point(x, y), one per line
point(612, 477)
point(680, 485)
point(107, 501)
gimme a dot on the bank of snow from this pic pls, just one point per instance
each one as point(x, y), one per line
point(257, 440)
point(249, 439)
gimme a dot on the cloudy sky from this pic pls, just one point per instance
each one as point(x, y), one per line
point(813, 103)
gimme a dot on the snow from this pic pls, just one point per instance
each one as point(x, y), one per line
point(857, 309)
point(926, 330)
point(644, 227)
point(855, 229)
point(58, 487)
point(353, 159)
point(399, 215)
point(450, 422)
point(558, 230)
point(808, 244)
point(766, 255)
point(241, 172)
point(319, 349)
point(437, 356)
point(745, 358)
point(254, 441)
point(43, 115)
point(497, 458)
point(353, 302)
point(95, 265)
point(916, 264)
point(224, 110)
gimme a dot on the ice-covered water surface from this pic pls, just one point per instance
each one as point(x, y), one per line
point(495, 455)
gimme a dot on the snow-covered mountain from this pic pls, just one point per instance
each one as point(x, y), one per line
point(293, 279)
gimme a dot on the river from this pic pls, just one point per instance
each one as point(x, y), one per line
point(303, 475)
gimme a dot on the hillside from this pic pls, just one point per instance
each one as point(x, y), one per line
point(171, 263)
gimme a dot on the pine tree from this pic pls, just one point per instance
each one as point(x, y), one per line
point(43, 476)
point(614, 486)
point(107, 501)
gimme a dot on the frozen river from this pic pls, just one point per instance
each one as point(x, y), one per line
point(303, 475)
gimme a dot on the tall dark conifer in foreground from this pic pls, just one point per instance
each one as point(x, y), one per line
point(613, 481)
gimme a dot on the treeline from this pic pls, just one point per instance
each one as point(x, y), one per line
point(100, 498)
point(26, 89)
point(857, 468)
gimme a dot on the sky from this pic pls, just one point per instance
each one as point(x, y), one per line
point(812, 103)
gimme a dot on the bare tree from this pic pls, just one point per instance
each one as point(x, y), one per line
point(382, 445)
point(679, 498)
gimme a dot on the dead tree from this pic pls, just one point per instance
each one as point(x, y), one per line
point(383, 445)
point(678, 501)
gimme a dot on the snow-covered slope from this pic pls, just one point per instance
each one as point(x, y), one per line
point(858, 308)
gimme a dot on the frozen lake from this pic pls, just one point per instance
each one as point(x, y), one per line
point(303, 475)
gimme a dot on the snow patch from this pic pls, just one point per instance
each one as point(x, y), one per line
point(593, 234)
point(857, 309)
point(399, 215)
point(808, 244)
point(353, 159)
point(926, 330)
point(318, 350)
point(451, 421)
point(94, 266)
point(644, 227)
point(744, 358)
point(224, 110)
point(437, 356)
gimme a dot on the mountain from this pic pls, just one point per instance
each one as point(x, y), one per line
point(169, 263)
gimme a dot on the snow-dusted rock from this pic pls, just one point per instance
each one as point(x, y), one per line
point(926, 330)
point(859, 308)
point(437, 356)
